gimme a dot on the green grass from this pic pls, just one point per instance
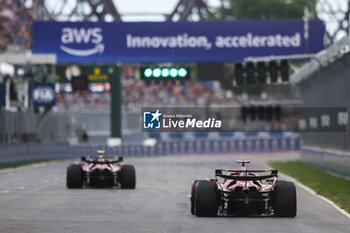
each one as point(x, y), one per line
point(323, 183)
point(24, 163)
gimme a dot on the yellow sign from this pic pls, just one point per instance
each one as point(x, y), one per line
point(64, 73)
point(97, 70)
point(97, 76)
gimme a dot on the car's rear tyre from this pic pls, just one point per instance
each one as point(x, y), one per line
point(128, 177)
point(194, 183)
point(285, 199)
point(206, 201)
point(74, 177)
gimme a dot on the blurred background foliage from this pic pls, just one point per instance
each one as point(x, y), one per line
point(262, 9)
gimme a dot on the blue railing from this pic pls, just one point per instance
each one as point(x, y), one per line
point(260, 143)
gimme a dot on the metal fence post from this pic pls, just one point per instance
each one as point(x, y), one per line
point(116, 103)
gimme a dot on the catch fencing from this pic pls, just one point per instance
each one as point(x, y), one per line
point(324, 82)
point(23, 140)
point(27, 127)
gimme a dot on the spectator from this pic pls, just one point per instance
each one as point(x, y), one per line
point(136, 94)
point(15, 26)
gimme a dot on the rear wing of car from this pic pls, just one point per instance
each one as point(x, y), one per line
point(250, 174)
point(107, 160)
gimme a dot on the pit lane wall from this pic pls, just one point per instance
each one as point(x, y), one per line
point(169, 145)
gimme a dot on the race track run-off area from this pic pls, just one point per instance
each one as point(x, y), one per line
point(35, 199)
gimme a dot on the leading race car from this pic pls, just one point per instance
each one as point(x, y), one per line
point(243, 193)
point(101, 172)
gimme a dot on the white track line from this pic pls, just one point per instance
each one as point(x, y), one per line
point(26, 167)
point(317, 195)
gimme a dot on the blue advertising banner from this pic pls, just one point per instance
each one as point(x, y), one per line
point(2, 94)
point(43, 94)
point(175, 41)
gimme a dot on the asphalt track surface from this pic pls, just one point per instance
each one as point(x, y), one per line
point(35, 199)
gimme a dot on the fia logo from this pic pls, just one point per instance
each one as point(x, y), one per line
point(82, 36)
point(151, 120)
point(43, 95)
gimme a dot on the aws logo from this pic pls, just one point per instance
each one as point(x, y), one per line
point(82, 36)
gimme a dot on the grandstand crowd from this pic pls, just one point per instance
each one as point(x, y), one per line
point(15, 27)
point(136, 94)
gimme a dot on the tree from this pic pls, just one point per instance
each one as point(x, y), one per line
point(262, 9)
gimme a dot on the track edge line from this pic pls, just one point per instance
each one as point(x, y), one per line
point(311, 191)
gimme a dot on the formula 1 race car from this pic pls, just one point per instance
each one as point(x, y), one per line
point(101, 172)
point(243, 193)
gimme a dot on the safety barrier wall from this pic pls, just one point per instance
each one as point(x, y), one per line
point(335, 161)
point(36, 151)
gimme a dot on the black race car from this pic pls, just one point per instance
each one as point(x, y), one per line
point(101, 172)
point(243, 193)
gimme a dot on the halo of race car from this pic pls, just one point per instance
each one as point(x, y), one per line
point(243, 193)
point(101, 172)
